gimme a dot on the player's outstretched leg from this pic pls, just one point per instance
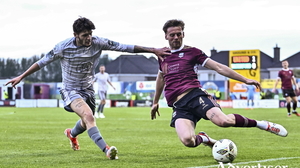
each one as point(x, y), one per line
point(207, 141)
point(73, 140)
point(275, 128)
point(112, 152)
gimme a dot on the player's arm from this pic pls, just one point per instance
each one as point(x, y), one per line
point(228, 72)
point(107, 44)
point(35, 67)
point(159, 52)
point(275, 84)
point(111, 84)
point(94, 79)
point(295, 83)
point(160, 84)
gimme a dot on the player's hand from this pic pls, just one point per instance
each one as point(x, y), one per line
point(253, 82)
point(154, 110)
point(14, 81)
point(160, 52)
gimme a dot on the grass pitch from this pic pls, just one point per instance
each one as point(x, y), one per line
point(33, 138)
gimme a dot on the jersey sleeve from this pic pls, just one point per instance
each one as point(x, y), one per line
point(106, 44)
point(292, 74)
point(201, 57)
point(160, 64)
point(107, 76)
point(49, 57)
point(95, 77)
point(279, 75)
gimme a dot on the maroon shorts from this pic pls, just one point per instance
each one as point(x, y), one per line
point(288, 93)
point(193, 106)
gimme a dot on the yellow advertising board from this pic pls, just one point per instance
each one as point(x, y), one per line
point(269, 84)
point(246, 63)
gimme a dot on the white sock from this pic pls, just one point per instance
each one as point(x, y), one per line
point(204, 138)
point(262, 125)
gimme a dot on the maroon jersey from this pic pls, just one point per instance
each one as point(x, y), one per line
point(286, 76)
point(179, 73)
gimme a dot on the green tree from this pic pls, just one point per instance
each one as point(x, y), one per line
point(10, 68)
point(296, 73)
point(2, 67)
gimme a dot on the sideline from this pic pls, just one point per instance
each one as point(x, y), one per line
point(259, 161)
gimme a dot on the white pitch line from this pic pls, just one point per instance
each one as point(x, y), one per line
point(259, 161)
point(9, 113)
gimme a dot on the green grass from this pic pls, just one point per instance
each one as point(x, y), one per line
point(33, 138)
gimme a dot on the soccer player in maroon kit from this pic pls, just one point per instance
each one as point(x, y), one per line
point(287, 80)
point(190, 102)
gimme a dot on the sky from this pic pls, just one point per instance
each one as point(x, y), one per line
point(30, 27)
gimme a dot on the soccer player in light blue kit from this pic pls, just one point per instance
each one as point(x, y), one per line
point(189, 101)
point(79, 56)
point(250, 97)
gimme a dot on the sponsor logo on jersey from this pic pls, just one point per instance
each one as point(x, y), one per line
point(181, 55)
point(112, 43)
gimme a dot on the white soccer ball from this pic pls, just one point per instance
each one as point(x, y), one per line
point(224, 150)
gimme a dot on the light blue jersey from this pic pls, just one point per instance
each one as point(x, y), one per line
point(251, 90)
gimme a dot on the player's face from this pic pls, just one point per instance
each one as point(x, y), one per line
point(285, 64)
point(175, 37)
point(84, 38)
point(102, 69)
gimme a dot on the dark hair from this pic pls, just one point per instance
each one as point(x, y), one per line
point(82, 24)
point(173, 23)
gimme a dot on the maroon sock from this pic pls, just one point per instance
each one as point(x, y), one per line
point(288, 106)
point(199, 140)
point(241, 121)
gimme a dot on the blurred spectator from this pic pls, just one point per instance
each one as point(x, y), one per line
point(217, 94)
point(262, 94)
point(269, 94)
point(6, 96)
point(232, 96)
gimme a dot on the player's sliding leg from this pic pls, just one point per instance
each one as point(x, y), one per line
point(206, 140)
point(236, 120)
point(186, 133)
point(241, 121)
point(272, 127)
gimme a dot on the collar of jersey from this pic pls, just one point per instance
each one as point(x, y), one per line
point(172, 51)
point(285, 69)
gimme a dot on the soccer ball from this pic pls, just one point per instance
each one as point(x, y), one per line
point(224, 150)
